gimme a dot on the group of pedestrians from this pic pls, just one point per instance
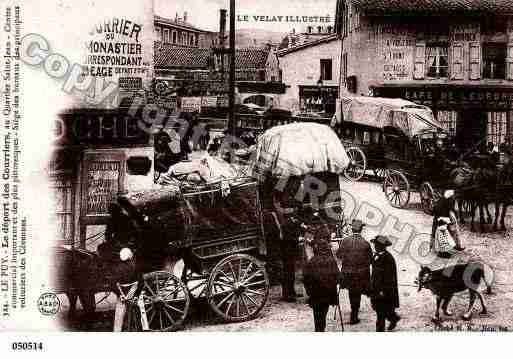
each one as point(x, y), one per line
point(363, 271)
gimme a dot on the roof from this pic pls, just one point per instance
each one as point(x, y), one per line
point(176, 56)
point(495, 6)
point(180, 24)
point(251, 58)
point(322, 40)
point(173, 56)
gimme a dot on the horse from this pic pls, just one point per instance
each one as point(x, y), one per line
point(446, 282)
point(504, 196)
point(475, 186)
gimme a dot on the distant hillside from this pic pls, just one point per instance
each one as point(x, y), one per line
point(257, 37)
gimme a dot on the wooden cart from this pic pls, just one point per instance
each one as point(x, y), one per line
point(217, 232)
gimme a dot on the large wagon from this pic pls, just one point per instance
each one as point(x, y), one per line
point(366, 125)
point(222, 248)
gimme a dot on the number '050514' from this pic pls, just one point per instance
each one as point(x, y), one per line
point(27, 346)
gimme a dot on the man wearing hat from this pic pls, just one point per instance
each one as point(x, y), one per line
point(385, 294)
point(355, 253)
point(289, 225)
point(444, 207)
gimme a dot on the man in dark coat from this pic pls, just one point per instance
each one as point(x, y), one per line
point(320, 276)
point(385, 294)
point(355, 253)
point(289, 225)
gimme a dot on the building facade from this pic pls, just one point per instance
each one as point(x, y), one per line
point(455, 57)
point(310, 74)
point(179, 32)
point(203, 73)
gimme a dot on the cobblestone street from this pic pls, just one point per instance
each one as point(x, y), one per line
point(416, 307)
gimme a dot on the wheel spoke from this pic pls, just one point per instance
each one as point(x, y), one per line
point(254, 292)
point(149, 288)
point(229, 306)
point(170, 317)
point(173, 308)
point(246, 271)
point(256, 283)
point(173, 292)
point(250, 299)
point(225, 299)
point(160, 319)
point(235, 277)
point(237, 306)
point(244, 303)
point(253, 276)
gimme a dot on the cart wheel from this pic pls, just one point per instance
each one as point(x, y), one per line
point(357, 164)
point(428, 197)
point(238, 288)
point(397, 189)
point(166, 301)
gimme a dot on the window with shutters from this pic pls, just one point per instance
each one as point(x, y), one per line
point(159, 33)
point(437, 64)
point(497, 127)
point(174, 37)
point(166, 35)
point(494, 61)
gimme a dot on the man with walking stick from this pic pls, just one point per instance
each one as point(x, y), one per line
point(355, 253)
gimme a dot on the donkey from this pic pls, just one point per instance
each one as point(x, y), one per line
point(445, 282)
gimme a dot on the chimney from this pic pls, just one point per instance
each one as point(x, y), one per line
point(176, 17)
point(185, 16)
point(222, 26)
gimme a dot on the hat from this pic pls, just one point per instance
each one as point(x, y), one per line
point(383, 240)
point(448, 193)
point(357, 225)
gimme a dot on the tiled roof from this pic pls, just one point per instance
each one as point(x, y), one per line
point(495, 6)
point(251, 58)
point(307, 44)
point(172, 56)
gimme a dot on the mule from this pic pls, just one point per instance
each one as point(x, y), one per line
point(446, 282)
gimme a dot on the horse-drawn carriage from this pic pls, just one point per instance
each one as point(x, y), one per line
point(395, 138)
point(217, 230)
point(367, 124)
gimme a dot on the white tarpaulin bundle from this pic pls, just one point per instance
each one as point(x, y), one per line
point(378, 112)
point(298, 149)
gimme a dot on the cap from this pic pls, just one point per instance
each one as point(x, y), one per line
point(383, 240)
point(357, 225)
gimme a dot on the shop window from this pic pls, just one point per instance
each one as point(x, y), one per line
point(497, 127)
point(63, 194)
point(437, 60)
point(448, 119)
point(326, 69)
point(494, 61)
point(166, 35)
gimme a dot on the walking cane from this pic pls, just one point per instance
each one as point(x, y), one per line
point(339, 312)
